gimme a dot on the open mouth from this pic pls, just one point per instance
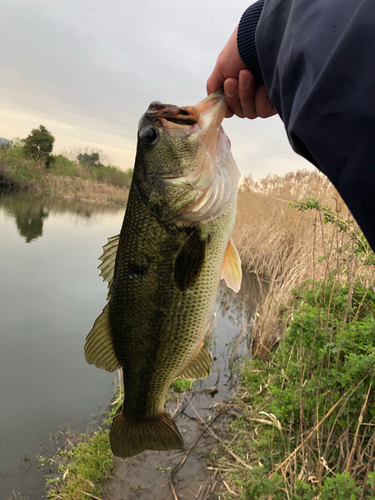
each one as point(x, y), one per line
point(204, 118)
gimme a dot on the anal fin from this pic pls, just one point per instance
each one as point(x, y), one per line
point(99, 348)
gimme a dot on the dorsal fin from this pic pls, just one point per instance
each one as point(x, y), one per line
point(99, 348)
point(108, 258)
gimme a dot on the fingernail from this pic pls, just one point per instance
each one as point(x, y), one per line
point(231, 93)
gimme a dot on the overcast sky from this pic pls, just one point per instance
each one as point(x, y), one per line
point(88, 70)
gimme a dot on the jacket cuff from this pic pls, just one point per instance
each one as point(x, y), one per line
point(246, 39)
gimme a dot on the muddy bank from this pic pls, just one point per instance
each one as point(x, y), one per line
point(178, 474)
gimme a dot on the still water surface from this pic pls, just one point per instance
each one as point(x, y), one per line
point(50, 295)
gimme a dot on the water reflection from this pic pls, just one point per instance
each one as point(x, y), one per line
point(30, 225)
point(50, 295)
point(240, 307)
point(30, 211)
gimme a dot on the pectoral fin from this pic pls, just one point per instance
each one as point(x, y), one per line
point(99, 348)
point(231, 270)
point(189, 261)
point(199, 367)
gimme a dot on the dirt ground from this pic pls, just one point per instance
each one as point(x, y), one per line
point(174, 475)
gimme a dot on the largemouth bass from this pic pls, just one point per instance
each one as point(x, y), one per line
point(164, 268)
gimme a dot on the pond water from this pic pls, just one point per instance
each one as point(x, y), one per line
point(50, 295)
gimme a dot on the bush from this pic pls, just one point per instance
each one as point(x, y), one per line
point(63, 166)
point(11, 155)
point(113, 176)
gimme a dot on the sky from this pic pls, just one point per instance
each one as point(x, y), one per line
point(87, 70)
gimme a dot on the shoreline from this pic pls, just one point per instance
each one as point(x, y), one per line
point(75, 189)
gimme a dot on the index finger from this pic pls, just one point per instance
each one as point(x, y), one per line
point(216, 80)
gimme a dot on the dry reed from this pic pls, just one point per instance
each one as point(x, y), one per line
point(281, 244)
point(84, 190)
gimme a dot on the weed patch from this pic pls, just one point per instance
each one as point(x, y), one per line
point(83, 469)
point(182, 385)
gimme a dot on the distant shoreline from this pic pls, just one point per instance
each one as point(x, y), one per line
point(64, 178)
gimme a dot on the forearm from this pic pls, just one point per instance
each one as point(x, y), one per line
point(316, 61)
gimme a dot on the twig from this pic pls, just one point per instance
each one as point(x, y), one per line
point(195, 495)
point(183, 459)
point(367, 468)
point(178, 407)
point(221, 441)
point(309, 436)
point(89, 495)
point(349, 463)
point(173, 490)
point(227, 487)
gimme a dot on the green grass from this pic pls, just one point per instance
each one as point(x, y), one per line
point(305, 417)
point(306, 420)
point(182, 385)
point(83, 469)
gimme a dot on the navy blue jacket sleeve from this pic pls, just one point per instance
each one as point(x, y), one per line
point(317, 61)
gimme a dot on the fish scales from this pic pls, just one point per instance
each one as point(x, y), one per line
point(170, 320)
point(164, 268)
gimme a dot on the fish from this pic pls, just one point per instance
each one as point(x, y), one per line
point(164, 268)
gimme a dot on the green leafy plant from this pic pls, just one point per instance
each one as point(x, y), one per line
point(182, 385)
point(38, 145)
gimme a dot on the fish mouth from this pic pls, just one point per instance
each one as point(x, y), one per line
point(212, 112)
point(204, 118)
point(201, 187)
point(209, 110)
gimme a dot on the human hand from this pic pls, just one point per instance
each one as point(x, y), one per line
point(245, 99)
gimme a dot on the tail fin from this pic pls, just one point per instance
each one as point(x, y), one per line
point(129, 437)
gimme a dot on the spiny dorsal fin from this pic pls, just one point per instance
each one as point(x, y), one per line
point(199, 367)
point(231, 270)
point(99, 348)
point(189, 261)
point(108, 258)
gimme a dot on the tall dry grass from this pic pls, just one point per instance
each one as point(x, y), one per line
point(282, 244)
point(308, 408)
point(84, 190)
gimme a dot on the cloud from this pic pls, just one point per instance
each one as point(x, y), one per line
point(88, 70)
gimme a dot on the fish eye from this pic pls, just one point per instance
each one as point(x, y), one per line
point(149, 135)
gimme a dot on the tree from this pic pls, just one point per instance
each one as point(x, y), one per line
point(89, 160)
point(39, 144)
